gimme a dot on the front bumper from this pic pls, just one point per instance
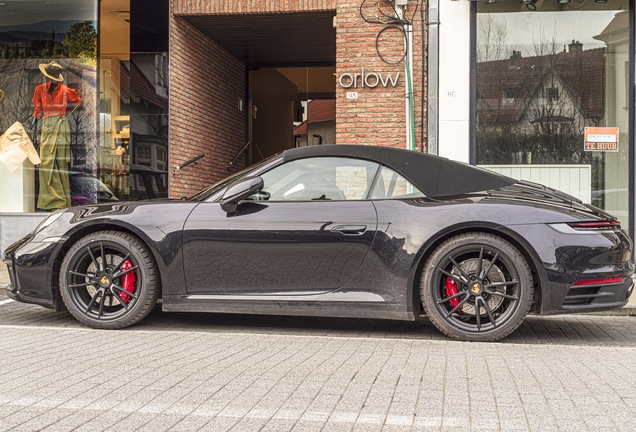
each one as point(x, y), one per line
point(32, 272)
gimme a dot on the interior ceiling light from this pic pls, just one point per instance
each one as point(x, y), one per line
point(491, 1)
point(526, 2)
point(532, 5)
point(564, 1)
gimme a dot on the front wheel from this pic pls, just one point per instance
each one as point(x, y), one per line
point(109, 280)
point(476, 287)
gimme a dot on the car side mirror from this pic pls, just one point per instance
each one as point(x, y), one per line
point(240, 190)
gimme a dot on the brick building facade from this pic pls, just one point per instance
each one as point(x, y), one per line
point(208, 81)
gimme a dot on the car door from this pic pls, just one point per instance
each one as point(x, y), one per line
point(308, 231)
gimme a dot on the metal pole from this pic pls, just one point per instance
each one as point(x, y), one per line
point(432, 73)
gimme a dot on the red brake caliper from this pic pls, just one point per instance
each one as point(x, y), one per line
point(451, 289)
point(127, 281)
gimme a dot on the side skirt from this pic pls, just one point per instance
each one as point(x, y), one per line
point(344, 309)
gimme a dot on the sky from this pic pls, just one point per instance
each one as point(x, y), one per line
point(525, 27)
point(14, 12)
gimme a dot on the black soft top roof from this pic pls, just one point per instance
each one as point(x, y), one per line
point(434, 175)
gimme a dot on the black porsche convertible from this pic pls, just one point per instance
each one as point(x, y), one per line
point(340, 231)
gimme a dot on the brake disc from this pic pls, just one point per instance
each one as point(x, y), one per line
point(91, 289)
point(494, 275)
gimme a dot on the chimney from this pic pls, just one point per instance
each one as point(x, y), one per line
point(575, 47)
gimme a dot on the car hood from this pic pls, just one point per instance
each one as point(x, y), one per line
point(537, 195)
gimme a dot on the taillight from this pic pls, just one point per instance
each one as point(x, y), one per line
point(603, 281)
point(596, 225)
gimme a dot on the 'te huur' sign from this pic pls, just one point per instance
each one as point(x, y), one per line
point(604, 139)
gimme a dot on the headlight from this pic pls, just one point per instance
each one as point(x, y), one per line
point(49, 220)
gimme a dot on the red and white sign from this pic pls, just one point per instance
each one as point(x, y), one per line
point(603, 139)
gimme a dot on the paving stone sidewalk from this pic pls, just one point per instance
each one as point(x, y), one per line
point(63, 379)
point(213, 372)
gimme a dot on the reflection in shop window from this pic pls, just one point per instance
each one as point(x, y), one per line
point(542, 78)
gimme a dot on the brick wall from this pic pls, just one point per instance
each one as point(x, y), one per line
point(378, 116)
point(206, 83)
point(203, 7)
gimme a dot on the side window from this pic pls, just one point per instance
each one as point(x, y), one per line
point(392, 185)
point(319, 178)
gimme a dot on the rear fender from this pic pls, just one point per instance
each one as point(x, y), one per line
point(538, 272)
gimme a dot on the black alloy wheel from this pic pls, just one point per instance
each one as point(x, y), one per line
point(476, 287)
point(108, 280)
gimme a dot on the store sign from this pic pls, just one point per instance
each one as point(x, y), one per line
point(367, 79)
point(603, 139)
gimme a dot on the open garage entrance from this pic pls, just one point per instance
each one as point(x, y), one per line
point(289, 83)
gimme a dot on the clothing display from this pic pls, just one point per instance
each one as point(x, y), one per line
point(55, 142)
point(15, 147)
point(53, 104)
point(55, 153)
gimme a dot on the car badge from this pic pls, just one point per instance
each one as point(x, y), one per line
point(475, 288)
point(104, 280)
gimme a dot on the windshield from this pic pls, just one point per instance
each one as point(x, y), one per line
point(208, 192)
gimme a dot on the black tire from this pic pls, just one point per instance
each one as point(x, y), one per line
point(94, 294)
point(465, 306)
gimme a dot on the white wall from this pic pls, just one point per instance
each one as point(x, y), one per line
point(454, 79)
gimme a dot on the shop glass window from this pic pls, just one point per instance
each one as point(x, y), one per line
point(134, 87)
point(550, 82)
point(319, 179)
point(48, 75)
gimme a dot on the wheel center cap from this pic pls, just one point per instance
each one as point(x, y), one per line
point(104, 281)
point(476, 288)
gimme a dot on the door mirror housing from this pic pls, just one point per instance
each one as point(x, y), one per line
point(239, 190)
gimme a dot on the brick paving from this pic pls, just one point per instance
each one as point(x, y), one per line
point(216, 372)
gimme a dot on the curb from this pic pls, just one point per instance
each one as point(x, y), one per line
point(629, 310)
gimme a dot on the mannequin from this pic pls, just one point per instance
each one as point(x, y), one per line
point(50, 101)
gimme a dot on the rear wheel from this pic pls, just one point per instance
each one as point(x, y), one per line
point(476, 287)
point(109, 280)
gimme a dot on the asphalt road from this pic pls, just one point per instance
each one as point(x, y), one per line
point(216, 372)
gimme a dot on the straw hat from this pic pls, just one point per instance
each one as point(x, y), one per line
point(52, 70)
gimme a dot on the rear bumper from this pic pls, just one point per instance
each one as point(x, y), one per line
point(562, 260)
point(567, 299)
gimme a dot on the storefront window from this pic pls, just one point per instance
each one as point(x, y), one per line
point(133, 119)
point(83, 103)
point(552, 96)
point(47, 104)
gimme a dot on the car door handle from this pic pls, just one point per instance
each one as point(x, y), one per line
point(350, 230)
